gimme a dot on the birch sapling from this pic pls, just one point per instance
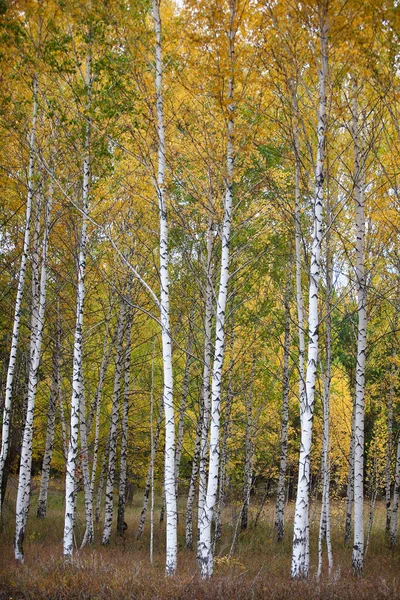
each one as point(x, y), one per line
point(5, 434)
point(301, 533)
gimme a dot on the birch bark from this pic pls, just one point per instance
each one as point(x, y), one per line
point(112, 446)
point(301, 534)
point(205, 548)
point(78, 338)
point(169, 465)
point(389, 447)
point(359, 178)
point(182, 408)
point(224, 446)
point(325, 522)
point(396, 495)
point(88, 537)
point(37, 325)
point(147, 487)
point(280, 494)
point(124, 436)
point(51, 421)
point(206, 389)
point(20, 288)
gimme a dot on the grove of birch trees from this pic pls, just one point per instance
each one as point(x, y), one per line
point(200, 274)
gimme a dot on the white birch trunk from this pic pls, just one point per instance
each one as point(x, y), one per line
point(182, 408)
point(389, 447)
point(124, 436)
point(206, 389)
point(20, 287)
point(248, 459)
point(88, 537)
point(112, 445)
point(192, 484)
point(169, 467)
point(350, 481)
point(396, 495)
point(280, 493)
point(150, 471)
point(77, 354)
point(38, 308)
point(97, 404)
point(205, 548)
point(300, 554)
point(325, 523)
point(358, 545)
point(51, 422)
point(224, 447)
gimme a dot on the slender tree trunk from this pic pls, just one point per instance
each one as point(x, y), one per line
point(20, 288)
point(77, 355)
point(51, 421)
point(389, 447)
point(182, 408)
point(350, 482)
point(147, 487)
point(358, 546)
point(192, 483)
point(280, 494)
point(169, 467)
point(325, 524)
point(396, 495)
point(89, 531)
point(248, 458)
point(112, 447)
point(97, 403)
point(301, 534)
point(205, 548)
point(124, 437)
point(205, 399)
point(37, 325)
point(224, 447)
point(100, 487)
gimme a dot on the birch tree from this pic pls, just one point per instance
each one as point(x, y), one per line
point(51, 422)
point(300, 553)
point(169, 467)
point(78, 342)
point(280, 492)
point(37, 326)
point(205, 550)
point(359, 197)
point(5, 434)
point(124, 431)
point(112, 439)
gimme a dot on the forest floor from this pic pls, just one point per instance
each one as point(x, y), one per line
point(259, 568)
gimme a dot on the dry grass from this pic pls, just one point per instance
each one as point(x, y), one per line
point(259, 569)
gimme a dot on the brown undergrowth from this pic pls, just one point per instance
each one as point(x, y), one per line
point(259, 567)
